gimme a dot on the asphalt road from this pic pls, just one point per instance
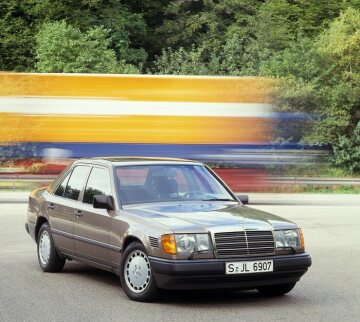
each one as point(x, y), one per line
point(330, 291)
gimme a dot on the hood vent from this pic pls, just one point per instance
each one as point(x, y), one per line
point(154, 242)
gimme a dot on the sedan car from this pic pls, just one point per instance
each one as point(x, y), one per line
point(162, 224)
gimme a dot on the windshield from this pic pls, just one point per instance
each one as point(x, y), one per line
point(161, 183)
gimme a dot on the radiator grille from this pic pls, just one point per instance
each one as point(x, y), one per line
point(244, 243)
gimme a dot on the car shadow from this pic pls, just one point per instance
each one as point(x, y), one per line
point(91, 273)
point(222, 297)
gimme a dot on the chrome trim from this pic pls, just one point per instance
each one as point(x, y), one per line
point(249, 245)
point(86, 240)
point(96, 243)
point(62, 233)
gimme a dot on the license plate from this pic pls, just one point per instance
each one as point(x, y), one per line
point(249, 267)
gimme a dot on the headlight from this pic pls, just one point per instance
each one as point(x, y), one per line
point(185, 243)
point(292, 238)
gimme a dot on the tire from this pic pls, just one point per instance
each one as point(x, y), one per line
point(136, 275)
point(276, 290)
point(49, 259)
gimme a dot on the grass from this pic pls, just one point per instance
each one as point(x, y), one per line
point(314, 170)
point(18, 186)
point(14, 184)
point(333, 189)
point(314, 189)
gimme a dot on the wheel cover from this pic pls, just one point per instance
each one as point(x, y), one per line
point(137, 271)
point(44, 247)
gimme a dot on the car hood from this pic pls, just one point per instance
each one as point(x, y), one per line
point(202, 217)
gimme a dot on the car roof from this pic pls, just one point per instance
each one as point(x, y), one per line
point(115, 160)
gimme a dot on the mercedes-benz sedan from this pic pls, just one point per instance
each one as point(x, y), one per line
point(162, 224)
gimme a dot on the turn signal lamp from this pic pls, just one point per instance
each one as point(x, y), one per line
point(168, 244)
point(302, 240)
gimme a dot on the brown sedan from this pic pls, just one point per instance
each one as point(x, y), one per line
point(162, 224)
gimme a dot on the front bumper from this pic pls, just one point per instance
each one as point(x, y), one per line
point(210, 273)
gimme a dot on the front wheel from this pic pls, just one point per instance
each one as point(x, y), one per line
point(276, 290)
point(49, 259)
point(136, 276)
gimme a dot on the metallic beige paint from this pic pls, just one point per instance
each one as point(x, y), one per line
point(98, 236)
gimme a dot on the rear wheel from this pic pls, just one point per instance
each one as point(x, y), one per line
point(276, 290)
point(136, 276)
point(49, 259)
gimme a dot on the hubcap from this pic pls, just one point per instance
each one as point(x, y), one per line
point(137, 271)
point(44, 247)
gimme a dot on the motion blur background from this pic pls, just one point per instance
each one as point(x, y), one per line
point(227, 122)
point(271, 99)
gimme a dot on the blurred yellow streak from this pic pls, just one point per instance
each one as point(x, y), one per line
point(138, 87)
point(132, 129)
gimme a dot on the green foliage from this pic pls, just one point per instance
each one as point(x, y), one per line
point(312, 47)
point(61, 48)
point(180, 62)
point(340, 44)
point(231, 37)
point(347, 151)
point(326, 82)
point(16, 37)
point(20, 21)
point(297, 60)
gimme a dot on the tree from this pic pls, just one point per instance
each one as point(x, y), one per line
point(20, 21)
point(16, 37)
point(331, 91)
point(123, 26)
point(347, 151)
point(180, 62)
point(338, 82)
point(62, 48)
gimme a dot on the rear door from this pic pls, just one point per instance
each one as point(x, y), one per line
point(61, 206)
point(92, 226)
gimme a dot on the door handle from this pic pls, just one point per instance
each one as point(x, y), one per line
point(78, 213)
point(50, 206)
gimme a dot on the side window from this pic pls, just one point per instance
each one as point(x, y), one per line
point(76, 182)
point(98, 184)
point(61, 188)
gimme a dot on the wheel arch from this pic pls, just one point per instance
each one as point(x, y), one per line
point(39, 222)
point(130, 239)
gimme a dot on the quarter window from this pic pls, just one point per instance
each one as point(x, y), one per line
point(61, 188)
point(76, 182)
point(98, 184)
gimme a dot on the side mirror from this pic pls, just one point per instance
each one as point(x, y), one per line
point(103, 202)
point(243, 198)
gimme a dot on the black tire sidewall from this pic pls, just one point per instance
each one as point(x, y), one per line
point(151, 292)
point(55, 263)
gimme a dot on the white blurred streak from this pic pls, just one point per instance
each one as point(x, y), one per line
point(267, 156)
point(56, 156)
point(95, 107)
